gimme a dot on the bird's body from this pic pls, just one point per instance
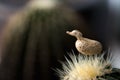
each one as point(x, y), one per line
point(88, 46)
point(84, 45)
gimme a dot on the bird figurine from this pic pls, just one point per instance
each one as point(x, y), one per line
point(84, 45)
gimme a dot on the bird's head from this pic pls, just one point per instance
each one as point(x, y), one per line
point(75, 33)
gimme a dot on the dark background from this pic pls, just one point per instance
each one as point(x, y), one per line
point(101, 16)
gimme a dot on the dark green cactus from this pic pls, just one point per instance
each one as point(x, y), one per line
point(114, 75)
point(34, 41)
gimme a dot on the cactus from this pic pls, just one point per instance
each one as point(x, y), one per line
point(34, 40)
point(84, 67)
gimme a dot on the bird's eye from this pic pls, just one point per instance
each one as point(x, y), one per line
point(76, 33)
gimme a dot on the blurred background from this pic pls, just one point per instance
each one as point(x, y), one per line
point(100, 18)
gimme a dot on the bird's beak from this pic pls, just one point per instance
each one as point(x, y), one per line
point(68, 32)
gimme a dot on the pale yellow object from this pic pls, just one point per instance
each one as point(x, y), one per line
point(84, 45)
point(85, 67)
point(43, 4)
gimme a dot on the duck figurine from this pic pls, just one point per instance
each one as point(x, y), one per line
point(84, 45)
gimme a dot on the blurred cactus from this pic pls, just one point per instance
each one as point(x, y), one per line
point(34, 40)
